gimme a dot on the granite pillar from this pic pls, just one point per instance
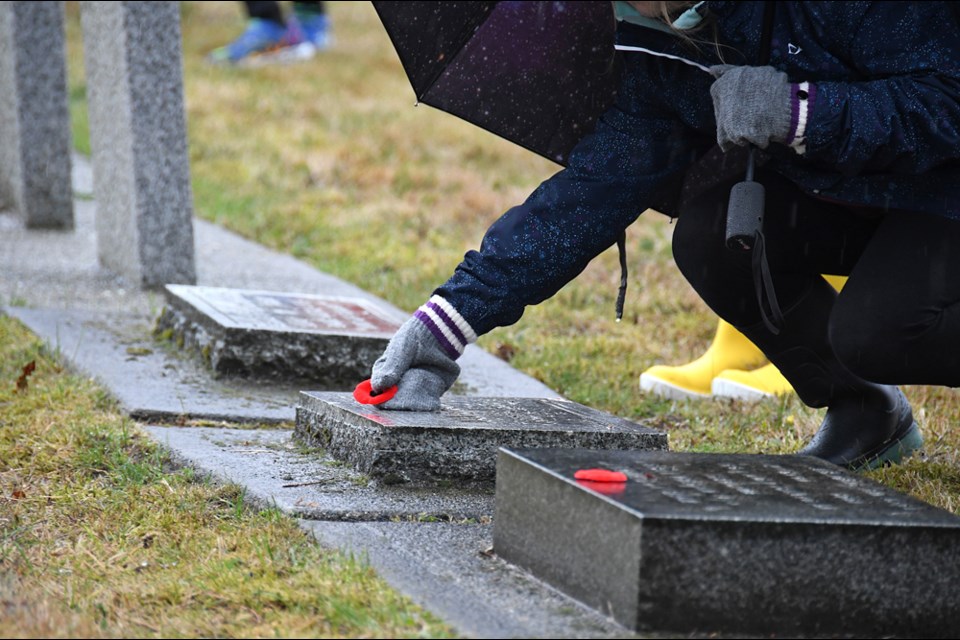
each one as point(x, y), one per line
point(138, 137)
point(35, 139)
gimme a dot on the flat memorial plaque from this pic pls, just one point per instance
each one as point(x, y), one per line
point(706, 543)
point(327, 340)
point(460, 441)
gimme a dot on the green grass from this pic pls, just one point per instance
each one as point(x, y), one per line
point(79, 122)
point(100, 537)
point(330, 161)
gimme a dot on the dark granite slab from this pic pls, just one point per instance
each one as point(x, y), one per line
point(701, 543)
point(330, 341)
point(460, 441)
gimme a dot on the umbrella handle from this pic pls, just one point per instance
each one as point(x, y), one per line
point(745, 211)
point(744, 234)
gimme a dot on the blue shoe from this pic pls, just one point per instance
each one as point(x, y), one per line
point(316, 28)
point(261, 38)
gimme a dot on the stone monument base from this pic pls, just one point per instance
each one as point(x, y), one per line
point(324, 341)
point(705, 543)
point(460, 441)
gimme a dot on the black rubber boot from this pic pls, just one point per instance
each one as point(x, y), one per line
point(867, 424)
point(856, 435)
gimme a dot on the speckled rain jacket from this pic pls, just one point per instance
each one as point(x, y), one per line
point(882, 129)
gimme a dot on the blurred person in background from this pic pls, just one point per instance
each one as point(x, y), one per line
point(273, 37)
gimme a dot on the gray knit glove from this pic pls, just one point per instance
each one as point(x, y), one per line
point(751, 105)
point(416, 362)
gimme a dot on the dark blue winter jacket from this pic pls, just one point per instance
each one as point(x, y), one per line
point(883, 131)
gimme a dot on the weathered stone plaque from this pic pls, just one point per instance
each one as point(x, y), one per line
point(329, 341)
point(708, 543)
point(460, 441)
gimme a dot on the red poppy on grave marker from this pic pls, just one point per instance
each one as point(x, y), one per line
point(600, 475)
point(364, 394)
point(612, 489)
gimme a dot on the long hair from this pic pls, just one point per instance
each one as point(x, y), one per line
point(669, 10)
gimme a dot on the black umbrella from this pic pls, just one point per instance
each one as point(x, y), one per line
point(536, 73)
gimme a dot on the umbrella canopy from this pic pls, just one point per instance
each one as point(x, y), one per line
point(536, 73)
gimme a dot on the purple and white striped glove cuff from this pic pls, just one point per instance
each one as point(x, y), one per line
point(447, 326)
point(802, 97)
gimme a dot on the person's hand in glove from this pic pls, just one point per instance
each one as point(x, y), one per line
point(758, 105)
point(421, 358)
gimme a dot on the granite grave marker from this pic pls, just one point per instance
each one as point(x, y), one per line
point(703, 543)
point(460, 441)
point(327, 341)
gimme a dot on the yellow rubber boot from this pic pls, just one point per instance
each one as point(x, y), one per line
point(751, 386)
point(729, 359)
point(836, 282)
point(730, 350)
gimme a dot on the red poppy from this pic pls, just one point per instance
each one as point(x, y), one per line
point(600, 475)
point(364, 394)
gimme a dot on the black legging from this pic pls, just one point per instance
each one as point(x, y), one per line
point(896, 321)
